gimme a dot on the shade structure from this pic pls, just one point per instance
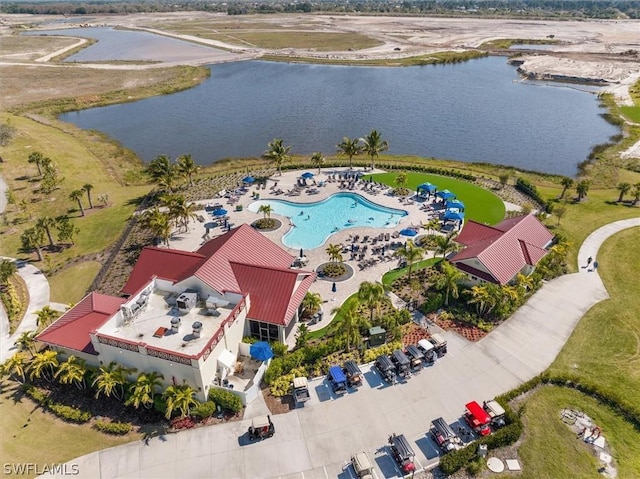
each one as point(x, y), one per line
point(219, 212)
point(248, 179)
point(445, 194)
point(307, 175)
point(454, 215)
point(427, 187)
point(408, 232)
point(459, 205)
point(261, 351)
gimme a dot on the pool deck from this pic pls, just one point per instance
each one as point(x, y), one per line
point(417, 215)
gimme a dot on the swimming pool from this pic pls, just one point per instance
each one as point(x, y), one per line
point(315, 222)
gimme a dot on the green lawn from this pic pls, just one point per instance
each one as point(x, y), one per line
point(390, 276)
point(631, 112)
point(480, 205)
point(550, 449)
point(70, 286)
point(605, 346)
point(320, 333)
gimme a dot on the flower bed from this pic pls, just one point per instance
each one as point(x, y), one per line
point(467, 331)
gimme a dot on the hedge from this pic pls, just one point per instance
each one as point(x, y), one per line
point(66, 413)
point(530, 190)
point(115, 428)
point(225, 399)
point(204, 410)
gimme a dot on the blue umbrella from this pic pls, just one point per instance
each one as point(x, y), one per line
point(445, 194)
point(219, 212)
point(248, 179)
point(408, 232)
point(427, 187)
point(261, 351)
point(455, 204)
point(453, 215)
point(307, 175)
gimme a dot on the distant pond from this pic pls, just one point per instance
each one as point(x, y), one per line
point(478, 111)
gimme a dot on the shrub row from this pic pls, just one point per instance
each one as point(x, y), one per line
point(530, 190)
point(66, 413)
point(227, 400)
point(371, 354)
point(115, 428)
point(204, 410)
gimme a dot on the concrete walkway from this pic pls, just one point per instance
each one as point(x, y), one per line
point(315, 441)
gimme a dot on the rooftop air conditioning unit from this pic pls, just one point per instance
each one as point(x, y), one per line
point(187, 300)
point(175, 324)
point(197, 329)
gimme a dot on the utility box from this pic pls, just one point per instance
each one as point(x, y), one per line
point(482, 450)
point(377, 336)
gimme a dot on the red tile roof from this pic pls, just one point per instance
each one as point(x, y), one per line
point(170, 264)
point(506, 248)
point(72, 329)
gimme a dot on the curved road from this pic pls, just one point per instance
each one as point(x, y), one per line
point(317, 440)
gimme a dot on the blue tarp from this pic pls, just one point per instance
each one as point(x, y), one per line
point(261, 351)
point(337, 375)
point(408, 232)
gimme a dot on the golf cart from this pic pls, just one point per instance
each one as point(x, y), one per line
point(496, 412)
point(443, 435)
point(386, 368)
point(353, 373)
point(261, 427)
point(337, 379)
point(439, 344)
point(362, 465)
point(428, 350)
point(401, 362)
point(402, 453)
point(477, 418)
point(416, 356)
point(300, 390)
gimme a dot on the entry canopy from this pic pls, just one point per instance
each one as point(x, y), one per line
point(427, 187)
point(261, 351)
point(456, 204)
point(445, 194)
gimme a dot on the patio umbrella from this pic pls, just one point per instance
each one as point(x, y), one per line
point(307, 175)
point(408, 232)
point(248, 179)
point(454, 215)
point(333, 287)
point(261, 351)
point(219, 212)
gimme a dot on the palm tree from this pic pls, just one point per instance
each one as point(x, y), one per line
point(372, 295)
point(559, 211)
point(349, 327)
point(179, 398)
point(36, 157)
point(180, 212)
point(44, 365)
point(582, 188)
point(401, 179)
point(317, 160)
point(449, 281)
point(72, 371)
point(162, 172)
point(76, 195)
point(350, 148)
point(566, 183)
point(187, 167)
point(636, 194)
point(143, 390)
point(373, 145)
point(27, 342)
point(624, 188)
point(445, 244)
point(311, 303)
point(335, 253)
point(524, 284)
point(159, 223)
point(482, 298)
point(46, 223)
point(266, 210)
point(277, 153)
point(410, 253)
point(7, 269)
point(15, 366)
point(110, 380)
point(46, 315)
point(433, 224)
point(87, 187)
point(32, 239)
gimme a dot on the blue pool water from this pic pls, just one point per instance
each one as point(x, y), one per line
point(315, 222)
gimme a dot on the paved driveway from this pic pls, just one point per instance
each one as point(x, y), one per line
point(315, 441)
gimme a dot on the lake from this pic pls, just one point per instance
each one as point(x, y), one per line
point(477, 111)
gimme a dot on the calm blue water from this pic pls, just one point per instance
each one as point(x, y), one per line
point(315, 222)
point(476, 111)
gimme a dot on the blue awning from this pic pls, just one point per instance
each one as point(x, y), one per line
point(445, 194)
point(427, 187)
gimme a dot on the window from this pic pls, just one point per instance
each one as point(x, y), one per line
point(264, 331)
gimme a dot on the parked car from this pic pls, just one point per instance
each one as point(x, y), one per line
point(353, 373)
point(386, 368)
point(402, 453)
point(477, 418)
point(362, 465)
point(337, 379)
point(428, 349)
point(496, 412)
point(443, 435)
point(300, 390)
point(439, 344)
point(416, 356)
point(401, 362)
point(261, 427)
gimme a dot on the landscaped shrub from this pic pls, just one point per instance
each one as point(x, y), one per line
point(433, 303)
point(279, 349)
point(37, 395)
point(182, 423)
point(159, 404)
point(204, 410)
point(249, 340)
point(69, 413)
point(115, 428)
point(225, 399)
point(370, 355)
point(334, 270)
point(282, 386)
point(265, 223)
point(456, 460)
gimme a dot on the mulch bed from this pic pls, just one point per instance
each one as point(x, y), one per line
point(467, 331)
point(277, 405)
point(413, 334)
